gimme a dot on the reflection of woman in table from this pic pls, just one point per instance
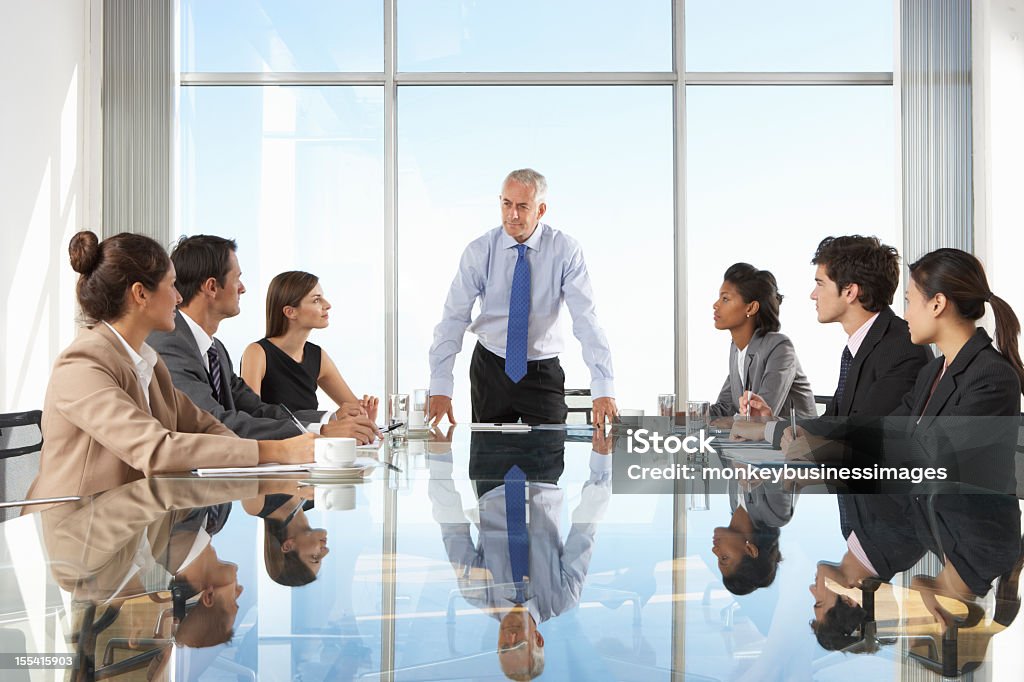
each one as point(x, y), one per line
point(760, 358)
point(977, 538)
point(748, 548)
point(292, 549)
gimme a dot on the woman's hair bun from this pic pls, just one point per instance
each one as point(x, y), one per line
point(85, 252)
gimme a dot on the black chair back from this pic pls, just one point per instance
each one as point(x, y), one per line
point(21, 439)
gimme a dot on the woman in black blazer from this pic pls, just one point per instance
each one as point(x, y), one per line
point(964, 410)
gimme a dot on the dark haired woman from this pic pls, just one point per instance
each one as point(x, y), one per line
point(761, 360)
point(747, 550)
point(284, 367)
point(965, 406)
point(111, 413)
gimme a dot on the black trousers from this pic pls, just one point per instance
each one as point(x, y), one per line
point(538, 398)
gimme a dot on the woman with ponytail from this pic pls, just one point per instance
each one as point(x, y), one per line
point(761, 360)
point(964, 409)
point(111, 413)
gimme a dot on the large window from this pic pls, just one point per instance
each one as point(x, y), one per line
point(770, 172)
point(295, 176)
point(366, 141)
point(608, 159)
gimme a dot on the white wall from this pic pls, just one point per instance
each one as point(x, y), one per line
point(46, 168)
point(999, 193)
point(999, 144)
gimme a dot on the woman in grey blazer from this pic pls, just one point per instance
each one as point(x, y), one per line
point(760, 358)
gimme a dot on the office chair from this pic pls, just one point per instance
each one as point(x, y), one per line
point(580, 404)
point(21, 439)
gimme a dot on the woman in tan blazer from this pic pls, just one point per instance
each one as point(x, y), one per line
point(111, 413)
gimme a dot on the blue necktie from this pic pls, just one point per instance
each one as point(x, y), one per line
point(515, 526)
point(518, 318)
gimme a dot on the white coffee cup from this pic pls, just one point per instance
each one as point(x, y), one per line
point(334, 497)
point(334, 452)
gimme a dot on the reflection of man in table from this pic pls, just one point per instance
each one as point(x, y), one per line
point(520, 589)
point(521, 272)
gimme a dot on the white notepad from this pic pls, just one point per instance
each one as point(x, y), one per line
point(252, 471)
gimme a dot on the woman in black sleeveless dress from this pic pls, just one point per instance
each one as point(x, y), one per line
point(285, 368)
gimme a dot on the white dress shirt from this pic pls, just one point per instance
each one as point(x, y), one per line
point(557, 273)
point(741, 365)
point(144, 364)
point(557, 569)
point(857, 338)
point(203, 340)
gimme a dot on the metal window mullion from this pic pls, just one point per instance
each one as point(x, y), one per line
point(681, 361)
point(389, 539)
point(391, 78)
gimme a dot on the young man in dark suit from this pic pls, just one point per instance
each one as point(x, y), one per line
point(854, 284)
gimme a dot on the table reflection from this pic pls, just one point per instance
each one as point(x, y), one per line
point(422, 575)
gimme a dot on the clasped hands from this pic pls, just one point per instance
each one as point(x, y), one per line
point(354, 420)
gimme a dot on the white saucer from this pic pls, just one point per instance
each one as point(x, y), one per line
point(325, 471)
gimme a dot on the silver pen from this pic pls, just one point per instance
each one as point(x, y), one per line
point(792, 420)
point(302, 429)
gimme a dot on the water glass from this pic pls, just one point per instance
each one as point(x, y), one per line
point(398, 411)
point(697, 413)
point(420, 406)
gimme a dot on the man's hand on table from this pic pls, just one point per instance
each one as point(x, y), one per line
point(440, 407)
point(747, 430)
point(604, 409)
point(603, 442)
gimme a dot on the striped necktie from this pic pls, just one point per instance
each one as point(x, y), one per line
point(216, 378)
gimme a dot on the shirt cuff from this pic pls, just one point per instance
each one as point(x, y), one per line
point(769, 431)
point(445, 387)
point(602, 388)
point(600, 464)
point(314, 428)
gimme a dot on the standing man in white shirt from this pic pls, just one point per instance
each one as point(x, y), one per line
point(522, 272)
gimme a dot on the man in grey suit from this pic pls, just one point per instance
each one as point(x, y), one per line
point(209, 281)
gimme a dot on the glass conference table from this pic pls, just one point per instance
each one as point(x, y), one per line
point(406, 576)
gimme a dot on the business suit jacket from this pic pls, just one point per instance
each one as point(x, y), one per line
point(239, 408)
point(773, 372)
point(884, 369)
point(99, 434)
point(886, 530)
point(968, 425)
